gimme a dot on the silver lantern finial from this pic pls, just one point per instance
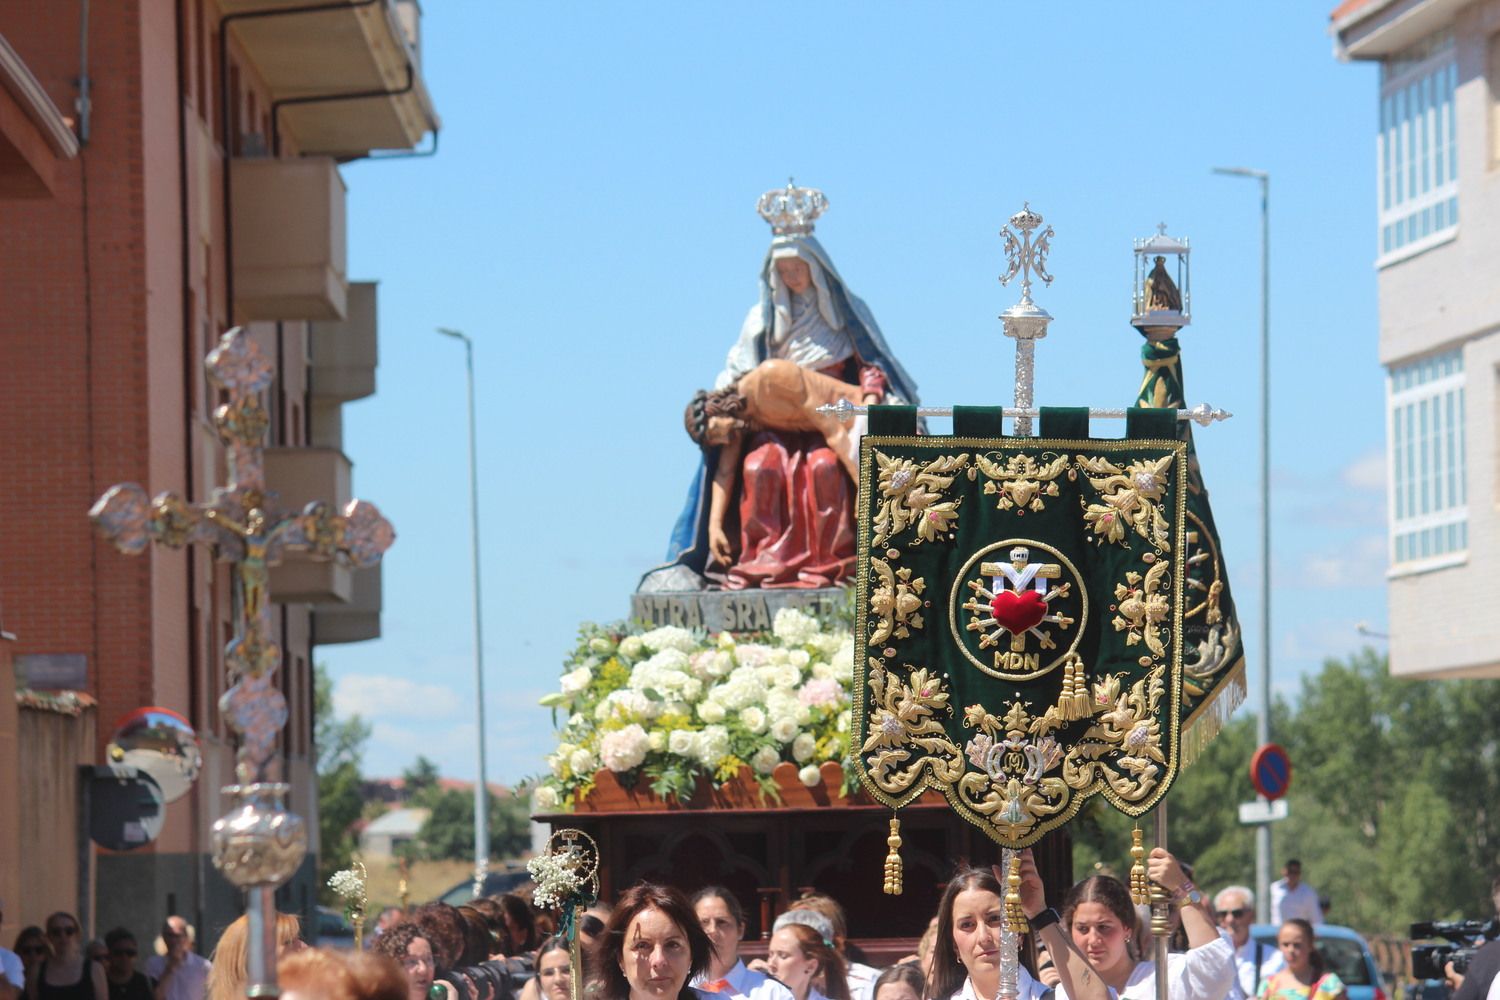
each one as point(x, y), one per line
point(1162, 299)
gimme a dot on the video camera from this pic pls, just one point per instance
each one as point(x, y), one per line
point(1463, 937)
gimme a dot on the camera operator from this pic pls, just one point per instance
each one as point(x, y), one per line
point(1475, 982)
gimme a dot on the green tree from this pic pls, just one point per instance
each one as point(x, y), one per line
point(448, 833)
point(421, 782)
point(340, 747)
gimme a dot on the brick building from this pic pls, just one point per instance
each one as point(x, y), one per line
point(126, 249)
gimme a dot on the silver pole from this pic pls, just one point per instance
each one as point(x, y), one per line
point(1202, 414)
point(261, 940)
point(481, 804)
point(1263, 706)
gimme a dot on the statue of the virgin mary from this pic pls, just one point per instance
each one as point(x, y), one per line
point(774, 506)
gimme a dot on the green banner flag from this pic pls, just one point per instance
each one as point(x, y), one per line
point(1019, 643)
point(1213, 684)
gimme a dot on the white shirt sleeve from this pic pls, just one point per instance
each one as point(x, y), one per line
point(12, 969)
point(1206, 972)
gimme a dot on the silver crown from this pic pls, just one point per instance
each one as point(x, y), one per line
point(791, 210)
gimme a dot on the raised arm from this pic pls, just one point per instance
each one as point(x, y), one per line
point(1079, 980)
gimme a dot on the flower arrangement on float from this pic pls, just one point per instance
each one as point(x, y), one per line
point(668, 706)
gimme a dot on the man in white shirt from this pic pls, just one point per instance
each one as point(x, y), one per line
point(1292, 898)
point(1253, 961)
point(721, 918)
point(180, 974)
point(11, 969)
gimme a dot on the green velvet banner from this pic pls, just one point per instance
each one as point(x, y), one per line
point(1020, 612)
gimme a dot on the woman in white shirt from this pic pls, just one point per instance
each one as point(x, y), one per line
point(797, 955)
point(1101, 922)
point(966, 954)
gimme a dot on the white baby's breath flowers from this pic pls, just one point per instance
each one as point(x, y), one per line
point(556, 882)
point(347, 885)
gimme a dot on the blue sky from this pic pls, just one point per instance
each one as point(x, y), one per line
point(589, 221)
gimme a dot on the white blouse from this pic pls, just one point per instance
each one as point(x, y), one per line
point(1026, 988)
point(1202, 973)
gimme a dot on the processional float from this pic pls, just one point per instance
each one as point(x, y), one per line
point(1043, 616)
point(259, 844)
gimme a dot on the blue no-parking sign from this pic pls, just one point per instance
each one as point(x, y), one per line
point(1271, 771)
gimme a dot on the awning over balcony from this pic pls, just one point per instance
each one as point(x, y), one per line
point(33, 133)
point(360, 48)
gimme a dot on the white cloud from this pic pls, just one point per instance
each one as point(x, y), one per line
point(1360, 562)
point(1366, 473)
point(373, 696)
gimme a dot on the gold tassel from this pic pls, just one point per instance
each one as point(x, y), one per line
point(1083, 705)
point(1015, 917)
point(1140, 890)
point(893, 860)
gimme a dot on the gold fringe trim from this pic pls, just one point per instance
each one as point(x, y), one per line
point(1212, 714)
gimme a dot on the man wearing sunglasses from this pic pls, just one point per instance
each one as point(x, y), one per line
point(125, 983)
point(1253, 960)
point(10, 963)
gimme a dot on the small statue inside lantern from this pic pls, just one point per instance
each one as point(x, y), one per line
point(1162, 301)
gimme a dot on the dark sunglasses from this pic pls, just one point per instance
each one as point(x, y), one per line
point(62, 931)
point(1242, 911)
point(124, 951)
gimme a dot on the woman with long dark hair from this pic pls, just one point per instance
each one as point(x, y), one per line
point(1304, 977)
point(966, 953)
point(651, 947)
point(1101, 922)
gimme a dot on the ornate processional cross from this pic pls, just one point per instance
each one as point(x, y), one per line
point(259, 844)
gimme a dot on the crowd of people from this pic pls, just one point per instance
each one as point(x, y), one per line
point(656, 943)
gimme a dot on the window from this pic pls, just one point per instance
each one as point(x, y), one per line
point(1429, 498)
point(1417, 149)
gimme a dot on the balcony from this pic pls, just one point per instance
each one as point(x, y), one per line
point(344, 351)
point(356, 621)
point(34, 136)
point(289, 240)
point(317, 59)
point(299, 476)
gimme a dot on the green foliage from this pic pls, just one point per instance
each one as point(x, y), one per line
point(1392, 804)
point(448, 833)
point(340, 746)
point(421, 781)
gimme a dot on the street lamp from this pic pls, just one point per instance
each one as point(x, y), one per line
point(481, 804)
point(1263, 711)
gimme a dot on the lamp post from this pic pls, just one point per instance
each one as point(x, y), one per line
point(1263, 710)
point(481, 793)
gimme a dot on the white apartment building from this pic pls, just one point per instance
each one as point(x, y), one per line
point(1437, 252)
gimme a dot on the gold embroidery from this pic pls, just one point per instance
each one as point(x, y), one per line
point(909, 495)
point(1011, 788)
point(1127, 496)
point(1143, 607)
point(896, 601)
point(1020, 481)
point(1128, 727)
point(903, 720)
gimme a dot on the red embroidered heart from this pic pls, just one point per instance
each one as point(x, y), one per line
point(1018, 611)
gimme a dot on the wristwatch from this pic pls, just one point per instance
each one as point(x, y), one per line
point(1043, 920)
point(1188, 894)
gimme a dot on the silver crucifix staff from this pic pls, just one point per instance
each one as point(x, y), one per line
point(259, 844)
point(1025, 321)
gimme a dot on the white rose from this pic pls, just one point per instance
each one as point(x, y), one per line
point(798, 658)
point(575, 681)
point(726, 640)
point(780, 701)
point(582, 762)
point(843, 662)
point(601, 645)
point(711, 711)
point(793, 627)
point(802, 747)
point(658, 740)
point(545, 798)
point(764, 760)
point(681, 742)
point(719, 664)
point(632, 648)
point(843, 721)
point(713, 743)
point(822, 671)
point(810, 776)
point(692, 689)
point(784, 729)
point(754, 719)
point(787, 676)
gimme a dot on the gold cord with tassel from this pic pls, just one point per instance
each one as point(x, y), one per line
point(1015, 917)
point(893, 860)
